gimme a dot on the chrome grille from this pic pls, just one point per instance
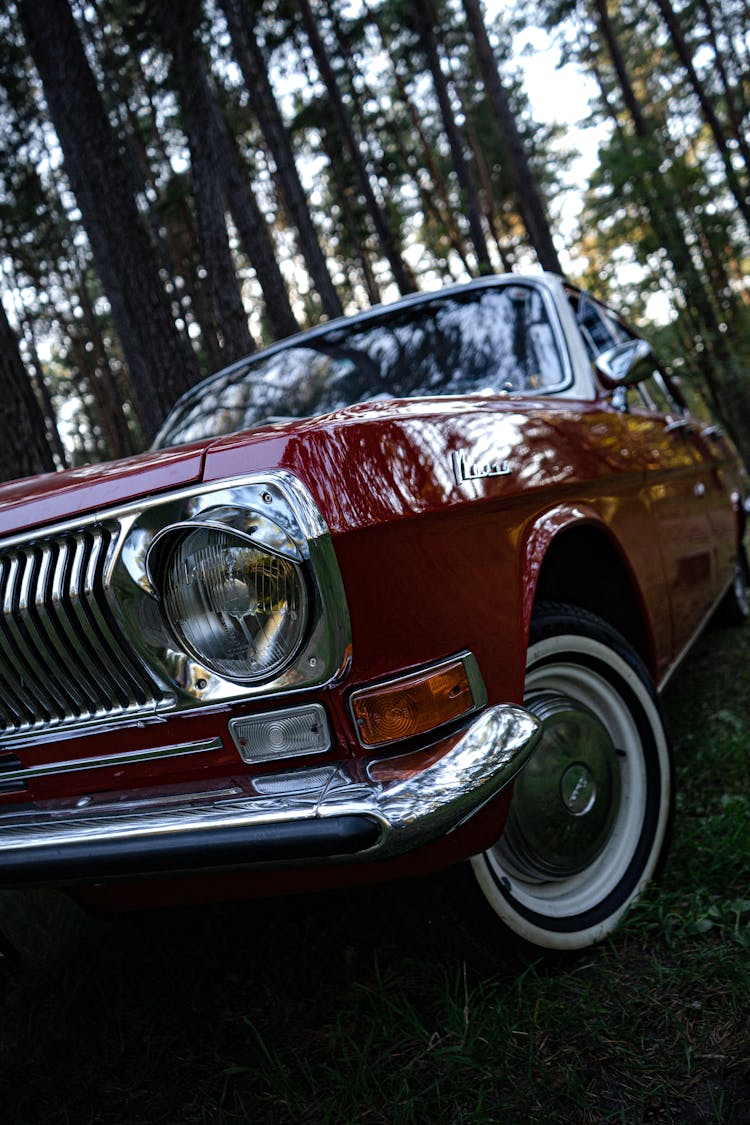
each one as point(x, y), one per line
point(63, 658)
point(10, 768)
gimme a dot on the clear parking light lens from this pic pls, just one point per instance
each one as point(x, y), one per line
point(281, 734)
point(238, 608)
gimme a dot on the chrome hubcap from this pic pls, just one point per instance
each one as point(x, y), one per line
point(566, 800)
point(578, 789)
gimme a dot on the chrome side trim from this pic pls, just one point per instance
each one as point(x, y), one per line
point(112, 761)
point(410, 813)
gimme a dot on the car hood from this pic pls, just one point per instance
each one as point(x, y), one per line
point(366, 464)
point(54, 497)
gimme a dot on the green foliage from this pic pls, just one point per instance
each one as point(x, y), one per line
point(661, 202)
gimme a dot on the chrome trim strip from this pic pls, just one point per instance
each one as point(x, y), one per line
point(476, 766)
point(111, 761)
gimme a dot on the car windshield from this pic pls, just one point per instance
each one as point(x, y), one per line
point(482, 341)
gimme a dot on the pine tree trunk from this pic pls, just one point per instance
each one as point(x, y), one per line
point(434, 196)
point(738, 110)
point(490, 214)
point(718, 368)
point(24, 450)
point(526, 187)
point(425, 21)
point(685, 56)
point(253, 232)
point(351, 225)
point(247, 51)
point(102, 383)
point(401, 273)
point(36, 372)
point(162, 363)
point(177, 28)
point(59, 453)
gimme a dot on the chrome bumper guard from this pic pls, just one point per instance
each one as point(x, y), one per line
point(329, 816)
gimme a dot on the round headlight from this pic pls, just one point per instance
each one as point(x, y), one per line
point(241, 610)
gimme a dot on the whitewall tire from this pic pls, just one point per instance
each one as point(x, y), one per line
point(591, 813)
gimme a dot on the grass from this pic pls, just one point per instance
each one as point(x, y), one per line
point(347, 1007)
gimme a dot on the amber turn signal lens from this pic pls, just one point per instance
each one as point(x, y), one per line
point(413, 705)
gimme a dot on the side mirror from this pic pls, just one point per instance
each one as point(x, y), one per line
point(624, 364)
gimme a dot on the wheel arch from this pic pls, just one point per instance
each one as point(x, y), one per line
point(573, 557)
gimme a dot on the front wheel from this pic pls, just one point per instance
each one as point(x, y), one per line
point(591, 812)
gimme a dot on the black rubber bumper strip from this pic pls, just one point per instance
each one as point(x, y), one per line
point(188, 851)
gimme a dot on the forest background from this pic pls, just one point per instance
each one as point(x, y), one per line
point(181, 183)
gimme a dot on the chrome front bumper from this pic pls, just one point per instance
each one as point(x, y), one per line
point(319, 814)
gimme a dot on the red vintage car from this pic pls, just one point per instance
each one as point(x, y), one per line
point(393, 595)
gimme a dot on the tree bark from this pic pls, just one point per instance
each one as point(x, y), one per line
point(253, 232)
point(425, 23)
point(101, 381)
point(241, 23)
point(24, 450)
point(526, 187)
point(178, 30)
point(733, 91)
point(401, 273)
point(685, 56)
point(162, 363)
point(490, 214)
point(446, 217)
point(718, 367)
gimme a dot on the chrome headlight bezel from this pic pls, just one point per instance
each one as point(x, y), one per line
point(273, 511)
point(199, 567)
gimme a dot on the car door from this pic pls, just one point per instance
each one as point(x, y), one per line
point(679, 487)
point(725, 486)
point(678, 481)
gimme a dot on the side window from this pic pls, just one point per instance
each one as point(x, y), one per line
point(599, 328)
point(655, 394)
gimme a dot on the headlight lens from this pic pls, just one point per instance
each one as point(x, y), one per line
point(241, 610)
